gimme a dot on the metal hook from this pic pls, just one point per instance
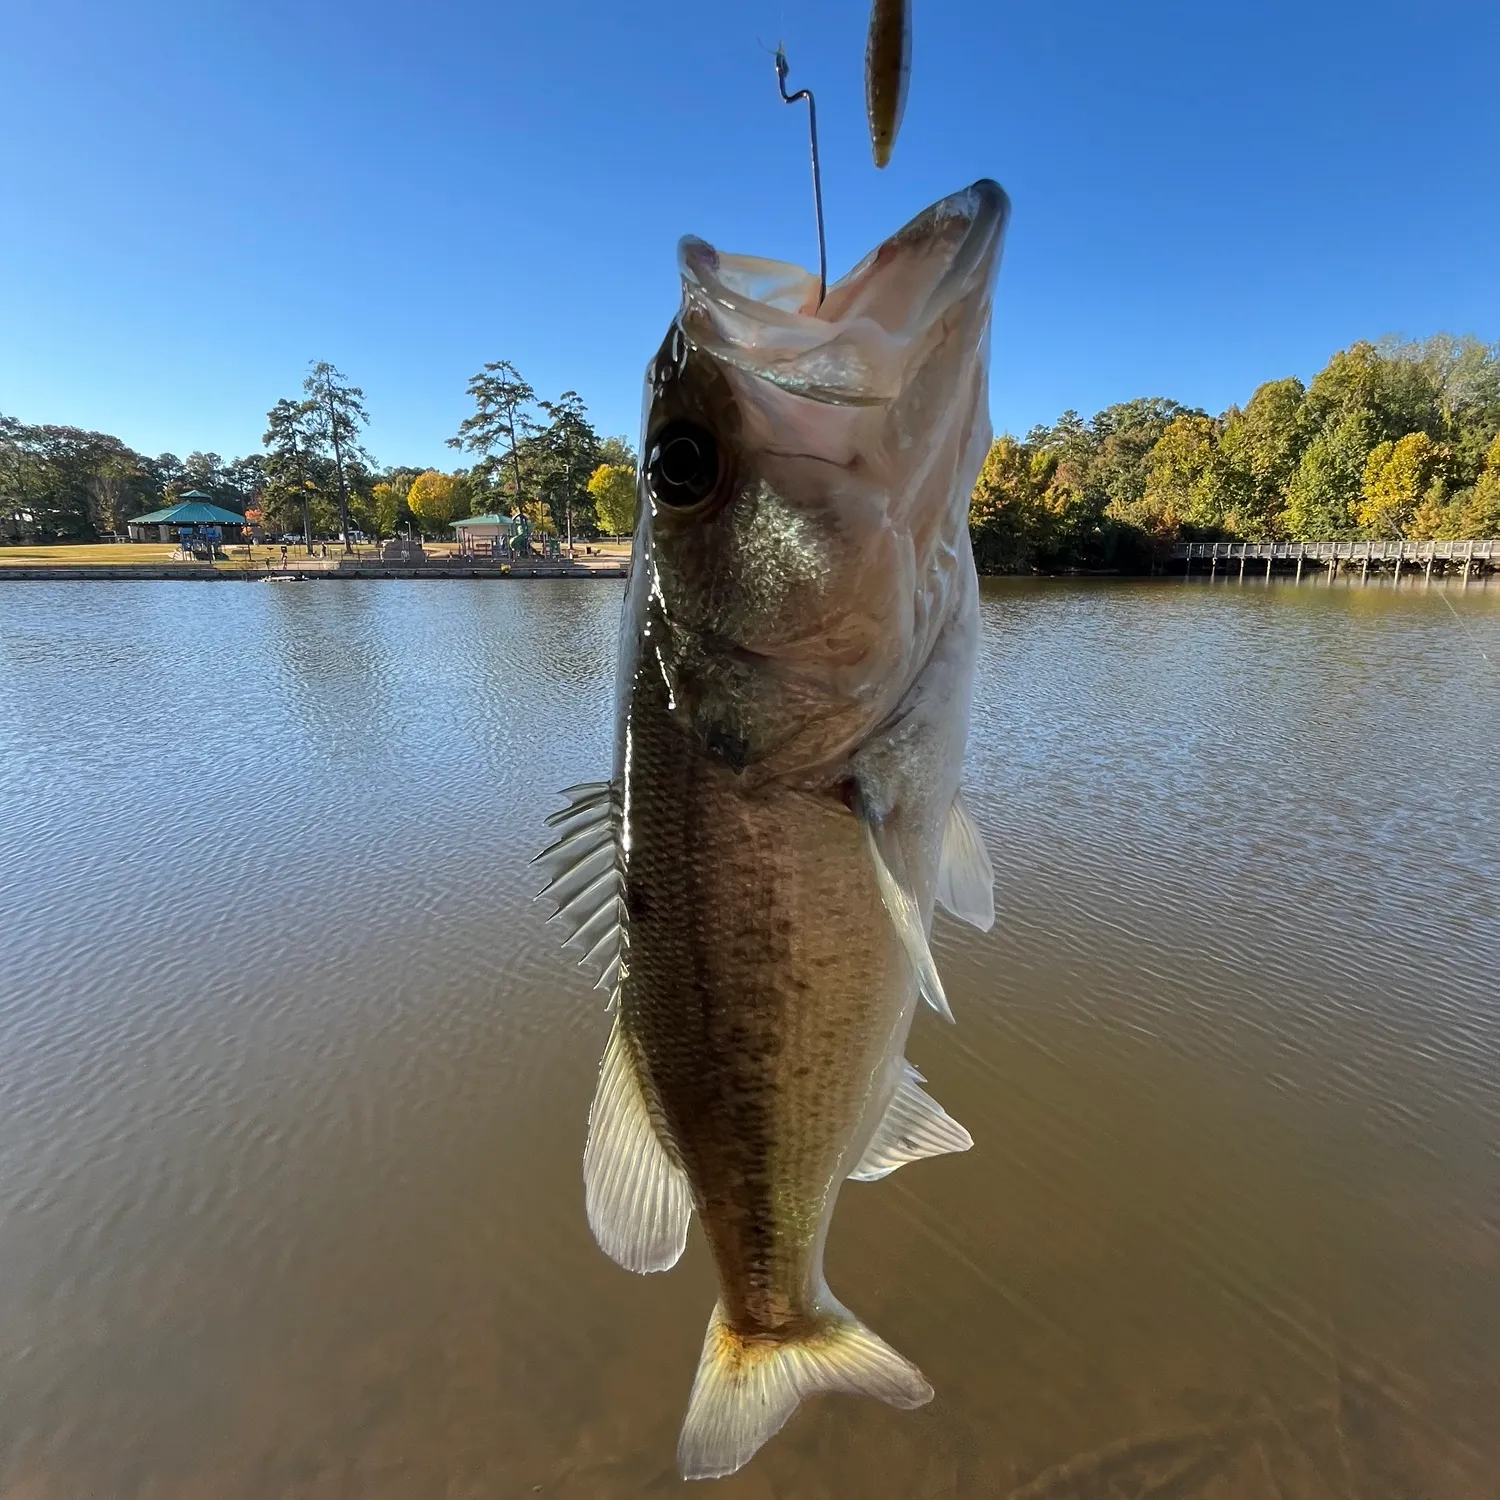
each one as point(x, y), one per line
point(817, 171)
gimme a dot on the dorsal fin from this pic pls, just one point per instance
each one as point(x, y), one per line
point(915, 1125)
point(585, 879)
point(966, 878)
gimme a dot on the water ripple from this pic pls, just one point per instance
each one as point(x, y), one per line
point(293, 1084)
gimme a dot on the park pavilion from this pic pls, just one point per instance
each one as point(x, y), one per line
point(193, 511)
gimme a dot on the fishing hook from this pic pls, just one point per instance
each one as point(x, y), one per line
point(817, 172)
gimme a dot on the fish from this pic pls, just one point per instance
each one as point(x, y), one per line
point(754, 884)
point(887, 73)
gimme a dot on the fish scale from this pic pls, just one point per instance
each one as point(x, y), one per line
point(757, 879)
point(762, 1024)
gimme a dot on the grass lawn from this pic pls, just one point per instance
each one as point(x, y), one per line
point(145, 554)
point(158, 554)
point(87, 555)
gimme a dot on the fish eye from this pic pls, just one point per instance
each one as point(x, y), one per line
point(682, 467)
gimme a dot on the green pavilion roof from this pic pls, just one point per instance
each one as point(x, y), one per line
point(189, 513)
point(485, 521)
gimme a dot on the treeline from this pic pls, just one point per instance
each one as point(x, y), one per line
point(315, 476)
point(1389, 440)
point(65, 484)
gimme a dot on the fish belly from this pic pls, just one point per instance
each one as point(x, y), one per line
point(766, 999)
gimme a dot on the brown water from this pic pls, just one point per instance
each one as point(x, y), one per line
point(293, 1085)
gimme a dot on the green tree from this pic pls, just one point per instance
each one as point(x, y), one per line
point(119, 487)
point(616, 450)
point(1124, 436)
point(503, 403)
point(557, 462)
point(336, 415)
point(170, 477)
point(1264, 443)
point(1394, 396)
point(436, 500)
point(291, 486)
point(1095, 481)
point(613, 488)
point(1466, 375)
point(1327, 486)
point(15, 477)
point(1478, 512)
point(1189, 484)
point(64, 484)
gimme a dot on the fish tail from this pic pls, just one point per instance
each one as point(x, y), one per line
point(747, 1386)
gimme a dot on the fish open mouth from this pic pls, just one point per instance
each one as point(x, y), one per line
point(763, 317)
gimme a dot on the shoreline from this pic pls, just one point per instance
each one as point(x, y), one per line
point(139, 563)
point(208, 573)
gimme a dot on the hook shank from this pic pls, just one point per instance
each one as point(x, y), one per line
point(782, 69)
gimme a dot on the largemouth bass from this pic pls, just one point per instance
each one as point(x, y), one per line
point(757, 878)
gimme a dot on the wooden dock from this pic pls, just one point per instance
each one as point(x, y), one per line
point(1463, 558)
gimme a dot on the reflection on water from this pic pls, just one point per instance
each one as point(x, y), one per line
point(293, 1086)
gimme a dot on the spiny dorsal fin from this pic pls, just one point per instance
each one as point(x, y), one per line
point(747, 1387)
point(966, 878)
point(585, 878)
point(915, 1125)
point(901, 904)
point(638, 1198)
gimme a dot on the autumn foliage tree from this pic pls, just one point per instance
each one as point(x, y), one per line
point(1478, 513)
point(1008, 522)
point(1401, 478)
point(1387, 440)
point(612, 487)
point(436, 500)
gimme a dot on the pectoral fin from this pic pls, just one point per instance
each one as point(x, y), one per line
point(585, 879)
point(638, 1198)
point(966, 878)
point(915, 1125)
point(901, 903)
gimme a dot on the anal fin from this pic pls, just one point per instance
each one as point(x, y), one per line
point(915, 1125)
point(966, 878)
point(638, 1198)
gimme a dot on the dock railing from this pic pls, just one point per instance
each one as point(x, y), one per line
point(1452, 556)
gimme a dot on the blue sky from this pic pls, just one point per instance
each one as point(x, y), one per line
point(198, 198)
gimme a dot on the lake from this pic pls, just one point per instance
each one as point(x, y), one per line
point(294, 1085)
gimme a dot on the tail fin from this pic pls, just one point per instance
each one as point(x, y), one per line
point(748, 1387)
